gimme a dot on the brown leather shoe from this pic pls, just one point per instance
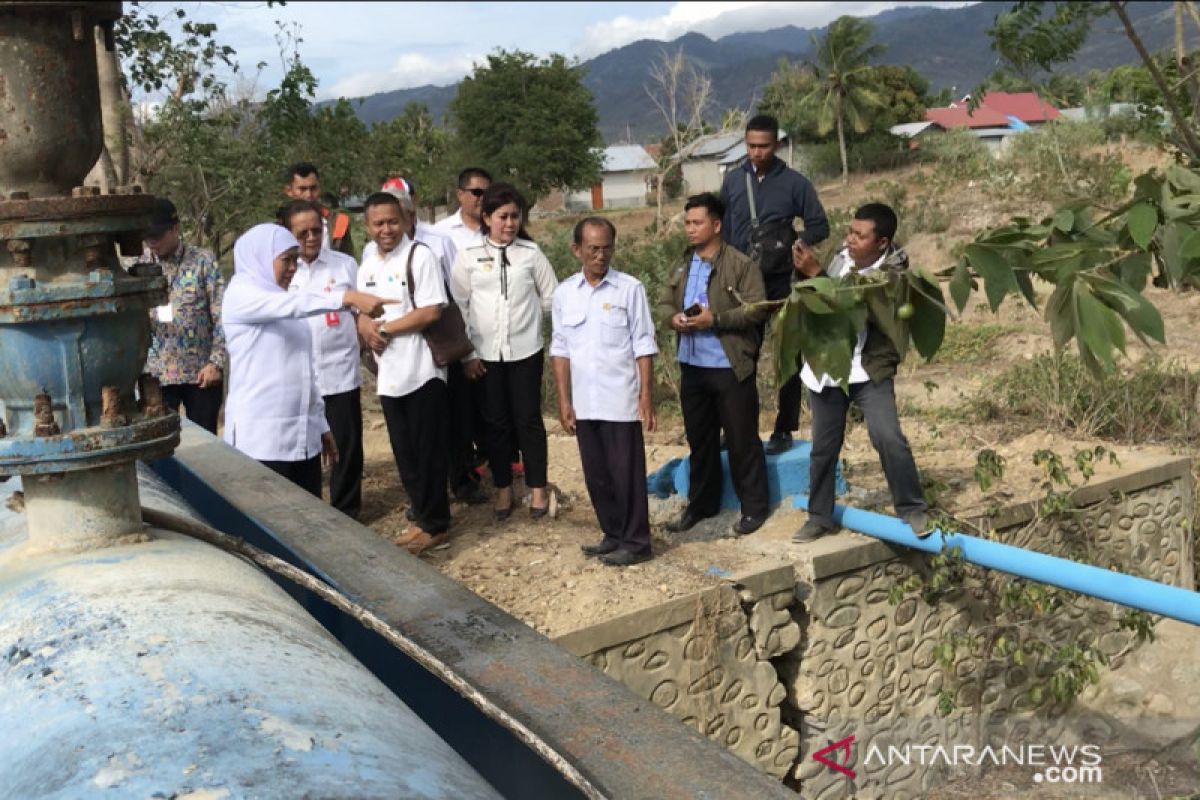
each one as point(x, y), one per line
point(410, 533)
point(424, 541)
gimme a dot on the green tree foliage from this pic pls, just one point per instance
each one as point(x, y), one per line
point(841, 65)
point(152, 59)
point(531, 121)
point(783, 98)
point(903, 95)
point(414, 146)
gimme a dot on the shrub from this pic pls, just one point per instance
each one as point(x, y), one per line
point(958, 154)
point(1146, 401)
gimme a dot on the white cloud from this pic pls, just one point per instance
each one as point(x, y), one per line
point(720, 19)
point(410, 69)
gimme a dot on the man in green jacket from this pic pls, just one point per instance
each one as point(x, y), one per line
point(719, 339)
point(869, 246)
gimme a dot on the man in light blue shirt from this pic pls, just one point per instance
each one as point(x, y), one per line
point(603, 352)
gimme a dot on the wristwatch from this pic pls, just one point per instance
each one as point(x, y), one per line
point(382, 333)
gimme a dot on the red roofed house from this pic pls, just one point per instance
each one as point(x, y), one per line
point(998, 116)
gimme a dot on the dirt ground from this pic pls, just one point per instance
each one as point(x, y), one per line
point(535, 570)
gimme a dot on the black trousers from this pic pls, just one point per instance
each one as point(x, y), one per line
point(417, 429)
point(343, 411)
point(714, 400)
point(462, 398)
point(878, 404)
point(614, 468)
point(202, 405)
point(513, 403)
point(305, 474)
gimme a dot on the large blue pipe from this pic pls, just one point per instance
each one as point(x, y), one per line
point(1128, 590)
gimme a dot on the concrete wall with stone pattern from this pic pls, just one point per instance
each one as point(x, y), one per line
point(786, 660)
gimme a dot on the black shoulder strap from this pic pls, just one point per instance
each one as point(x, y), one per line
point(409, 273)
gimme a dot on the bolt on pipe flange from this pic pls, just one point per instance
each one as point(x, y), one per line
point(43, 414)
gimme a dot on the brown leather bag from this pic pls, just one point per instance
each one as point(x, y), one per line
point(447, 336)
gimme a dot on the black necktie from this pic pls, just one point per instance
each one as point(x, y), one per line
point(504, 271)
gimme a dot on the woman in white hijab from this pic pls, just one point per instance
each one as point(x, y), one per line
point(274, 412)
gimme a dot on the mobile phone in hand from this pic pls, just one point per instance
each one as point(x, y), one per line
point(693, 310)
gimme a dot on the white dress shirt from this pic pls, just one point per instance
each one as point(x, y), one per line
point(273, 411)
point(840, 265)
point(603, 330)
point(442, 246)
point(406, 364)
point(503, 308)
point(334, 333)
point(457, 231)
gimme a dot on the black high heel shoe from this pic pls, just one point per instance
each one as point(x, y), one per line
point(538, 513)
point(502, 514)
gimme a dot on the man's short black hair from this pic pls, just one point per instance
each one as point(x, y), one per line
point(382, 199)
point(465, 176)
point(764, 122)
point(598, 222)
point(303, 169)
point(706, 200)
point(882, 217)
point(285, 214)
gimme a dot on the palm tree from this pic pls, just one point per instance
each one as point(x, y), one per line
point(840, 63)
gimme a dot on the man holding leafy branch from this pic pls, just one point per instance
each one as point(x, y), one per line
point(869, 250)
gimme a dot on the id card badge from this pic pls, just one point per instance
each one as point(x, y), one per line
point(165, 313)
point(332, 319)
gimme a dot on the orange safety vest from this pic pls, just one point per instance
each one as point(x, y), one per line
point(340, 225)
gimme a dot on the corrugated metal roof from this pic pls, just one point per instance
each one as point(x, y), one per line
point(911, 129)
point(718, 145)
point(627, 158)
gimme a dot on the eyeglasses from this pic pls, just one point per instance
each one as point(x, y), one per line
point(476, 191)
point(304, 234)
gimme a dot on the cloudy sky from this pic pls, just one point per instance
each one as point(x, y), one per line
point(361, 48)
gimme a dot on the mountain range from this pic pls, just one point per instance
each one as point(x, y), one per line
point(948, 46)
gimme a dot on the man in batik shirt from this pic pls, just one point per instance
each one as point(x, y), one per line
point(187, 351)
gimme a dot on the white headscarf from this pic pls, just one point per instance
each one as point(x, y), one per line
point(254, 255)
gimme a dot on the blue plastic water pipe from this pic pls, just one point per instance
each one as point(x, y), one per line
point(1117, 587)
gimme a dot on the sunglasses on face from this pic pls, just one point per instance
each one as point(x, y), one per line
point(307, 232)
point(476, 191)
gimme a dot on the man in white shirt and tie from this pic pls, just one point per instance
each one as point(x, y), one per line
point(870, 246)
point(603, 351)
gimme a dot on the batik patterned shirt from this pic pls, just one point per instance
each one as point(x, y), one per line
point(186, 333)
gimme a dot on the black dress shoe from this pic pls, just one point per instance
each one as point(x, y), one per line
point(537, 513)
point(600, 548)
point(502, 514)
point(410, 514)
point(748, 524)
point(687, 520)
point(624, 558)
point(778, 443)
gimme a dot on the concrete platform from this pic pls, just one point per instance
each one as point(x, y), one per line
point(787, 477)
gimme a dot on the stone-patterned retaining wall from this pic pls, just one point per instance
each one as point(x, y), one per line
point(867, 668)
point(788, 659)
point(707, 659)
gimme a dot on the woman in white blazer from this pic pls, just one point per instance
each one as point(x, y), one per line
point(274, 412)
point(504, 285)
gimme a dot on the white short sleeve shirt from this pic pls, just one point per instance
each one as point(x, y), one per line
point(334, 333)
point(603, 330)
point(407, 363)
